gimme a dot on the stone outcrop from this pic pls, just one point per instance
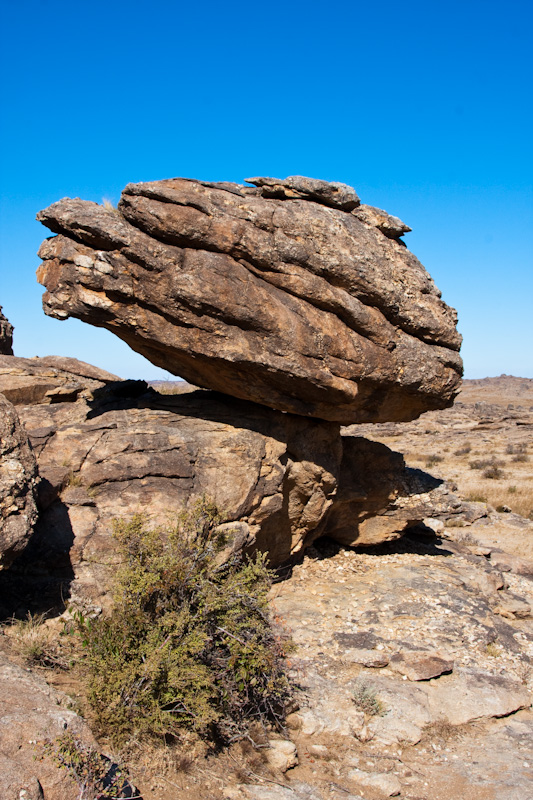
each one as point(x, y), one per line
point(289, 293)
point(52, 379)
point(378, 497)
point(112, 449)
point(18, 473)
point(6, 336)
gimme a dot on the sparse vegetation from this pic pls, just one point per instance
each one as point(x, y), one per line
point(366, 700)
point(433, 459)
point(35, 643)
point(476, 497)
point(462, 451)
point(189, 643)
point(486, 464)
point(96, 776)
point(493, 473)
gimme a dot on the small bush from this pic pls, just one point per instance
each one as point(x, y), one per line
point(433, 459)
point(366, 700)
point(519, 449)
point(476, 497)
point(493, 473)
point(486, 463)
point(189, 642)
point(96, 776)
point(462, 451)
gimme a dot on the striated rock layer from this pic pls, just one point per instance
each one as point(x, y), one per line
point(108, 450)
point(288, 293)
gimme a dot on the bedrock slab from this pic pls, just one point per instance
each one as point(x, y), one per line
point(289, 293)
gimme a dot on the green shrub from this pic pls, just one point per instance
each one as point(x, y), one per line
point(189, 641)
point(96, 776)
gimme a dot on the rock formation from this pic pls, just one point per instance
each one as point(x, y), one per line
point(18, 473)
point(288, 293)
point(110, 449)
point(6, 336)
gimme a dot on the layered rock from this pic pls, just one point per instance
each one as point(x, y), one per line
point(52, 379)
point(18, 475)
point(288, 293)
point(280, 480)
point(6, 336)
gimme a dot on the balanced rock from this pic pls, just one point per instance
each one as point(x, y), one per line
point(6, 336)
point(289, 293)
point(18, 478)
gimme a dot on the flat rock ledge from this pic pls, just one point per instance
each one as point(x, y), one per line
point(289, 293)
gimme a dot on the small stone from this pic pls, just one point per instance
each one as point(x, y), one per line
point(282, 754)
point(420, 666)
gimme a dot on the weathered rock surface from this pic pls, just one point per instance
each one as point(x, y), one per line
point(108, 450)
point(288, 293)
point(18, 478)
point(131, 449)
point(32, 716)
point(378, 497)
point(275, 474)
point(416, 606)
point(52, 379)
point(6, 335)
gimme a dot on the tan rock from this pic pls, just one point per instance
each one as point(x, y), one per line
point(279, 293)
point(282, 754)
point(18, 478)
point(420, 666)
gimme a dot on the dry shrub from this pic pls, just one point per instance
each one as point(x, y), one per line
point(189, 643)
point(36, 643)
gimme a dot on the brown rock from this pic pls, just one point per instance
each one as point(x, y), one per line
point(378, 497)
point(273, 474)
point(286, 294)
point(509, 562)
point(6, 336)
point(32, 715)
point(122, 447)
point(420, 666)
point(18, 476)
point(52, 379)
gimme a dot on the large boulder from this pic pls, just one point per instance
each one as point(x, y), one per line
point(130, 449)
point(288, 293)
point(280, 480)
point(18, 477)
point(6, 336)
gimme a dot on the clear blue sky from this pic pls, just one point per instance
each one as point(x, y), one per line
point(425, 108)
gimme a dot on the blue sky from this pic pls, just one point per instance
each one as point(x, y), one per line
point(425, 108)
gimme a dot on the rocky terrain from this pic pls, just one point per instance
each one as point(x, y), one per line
point(403, 545)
